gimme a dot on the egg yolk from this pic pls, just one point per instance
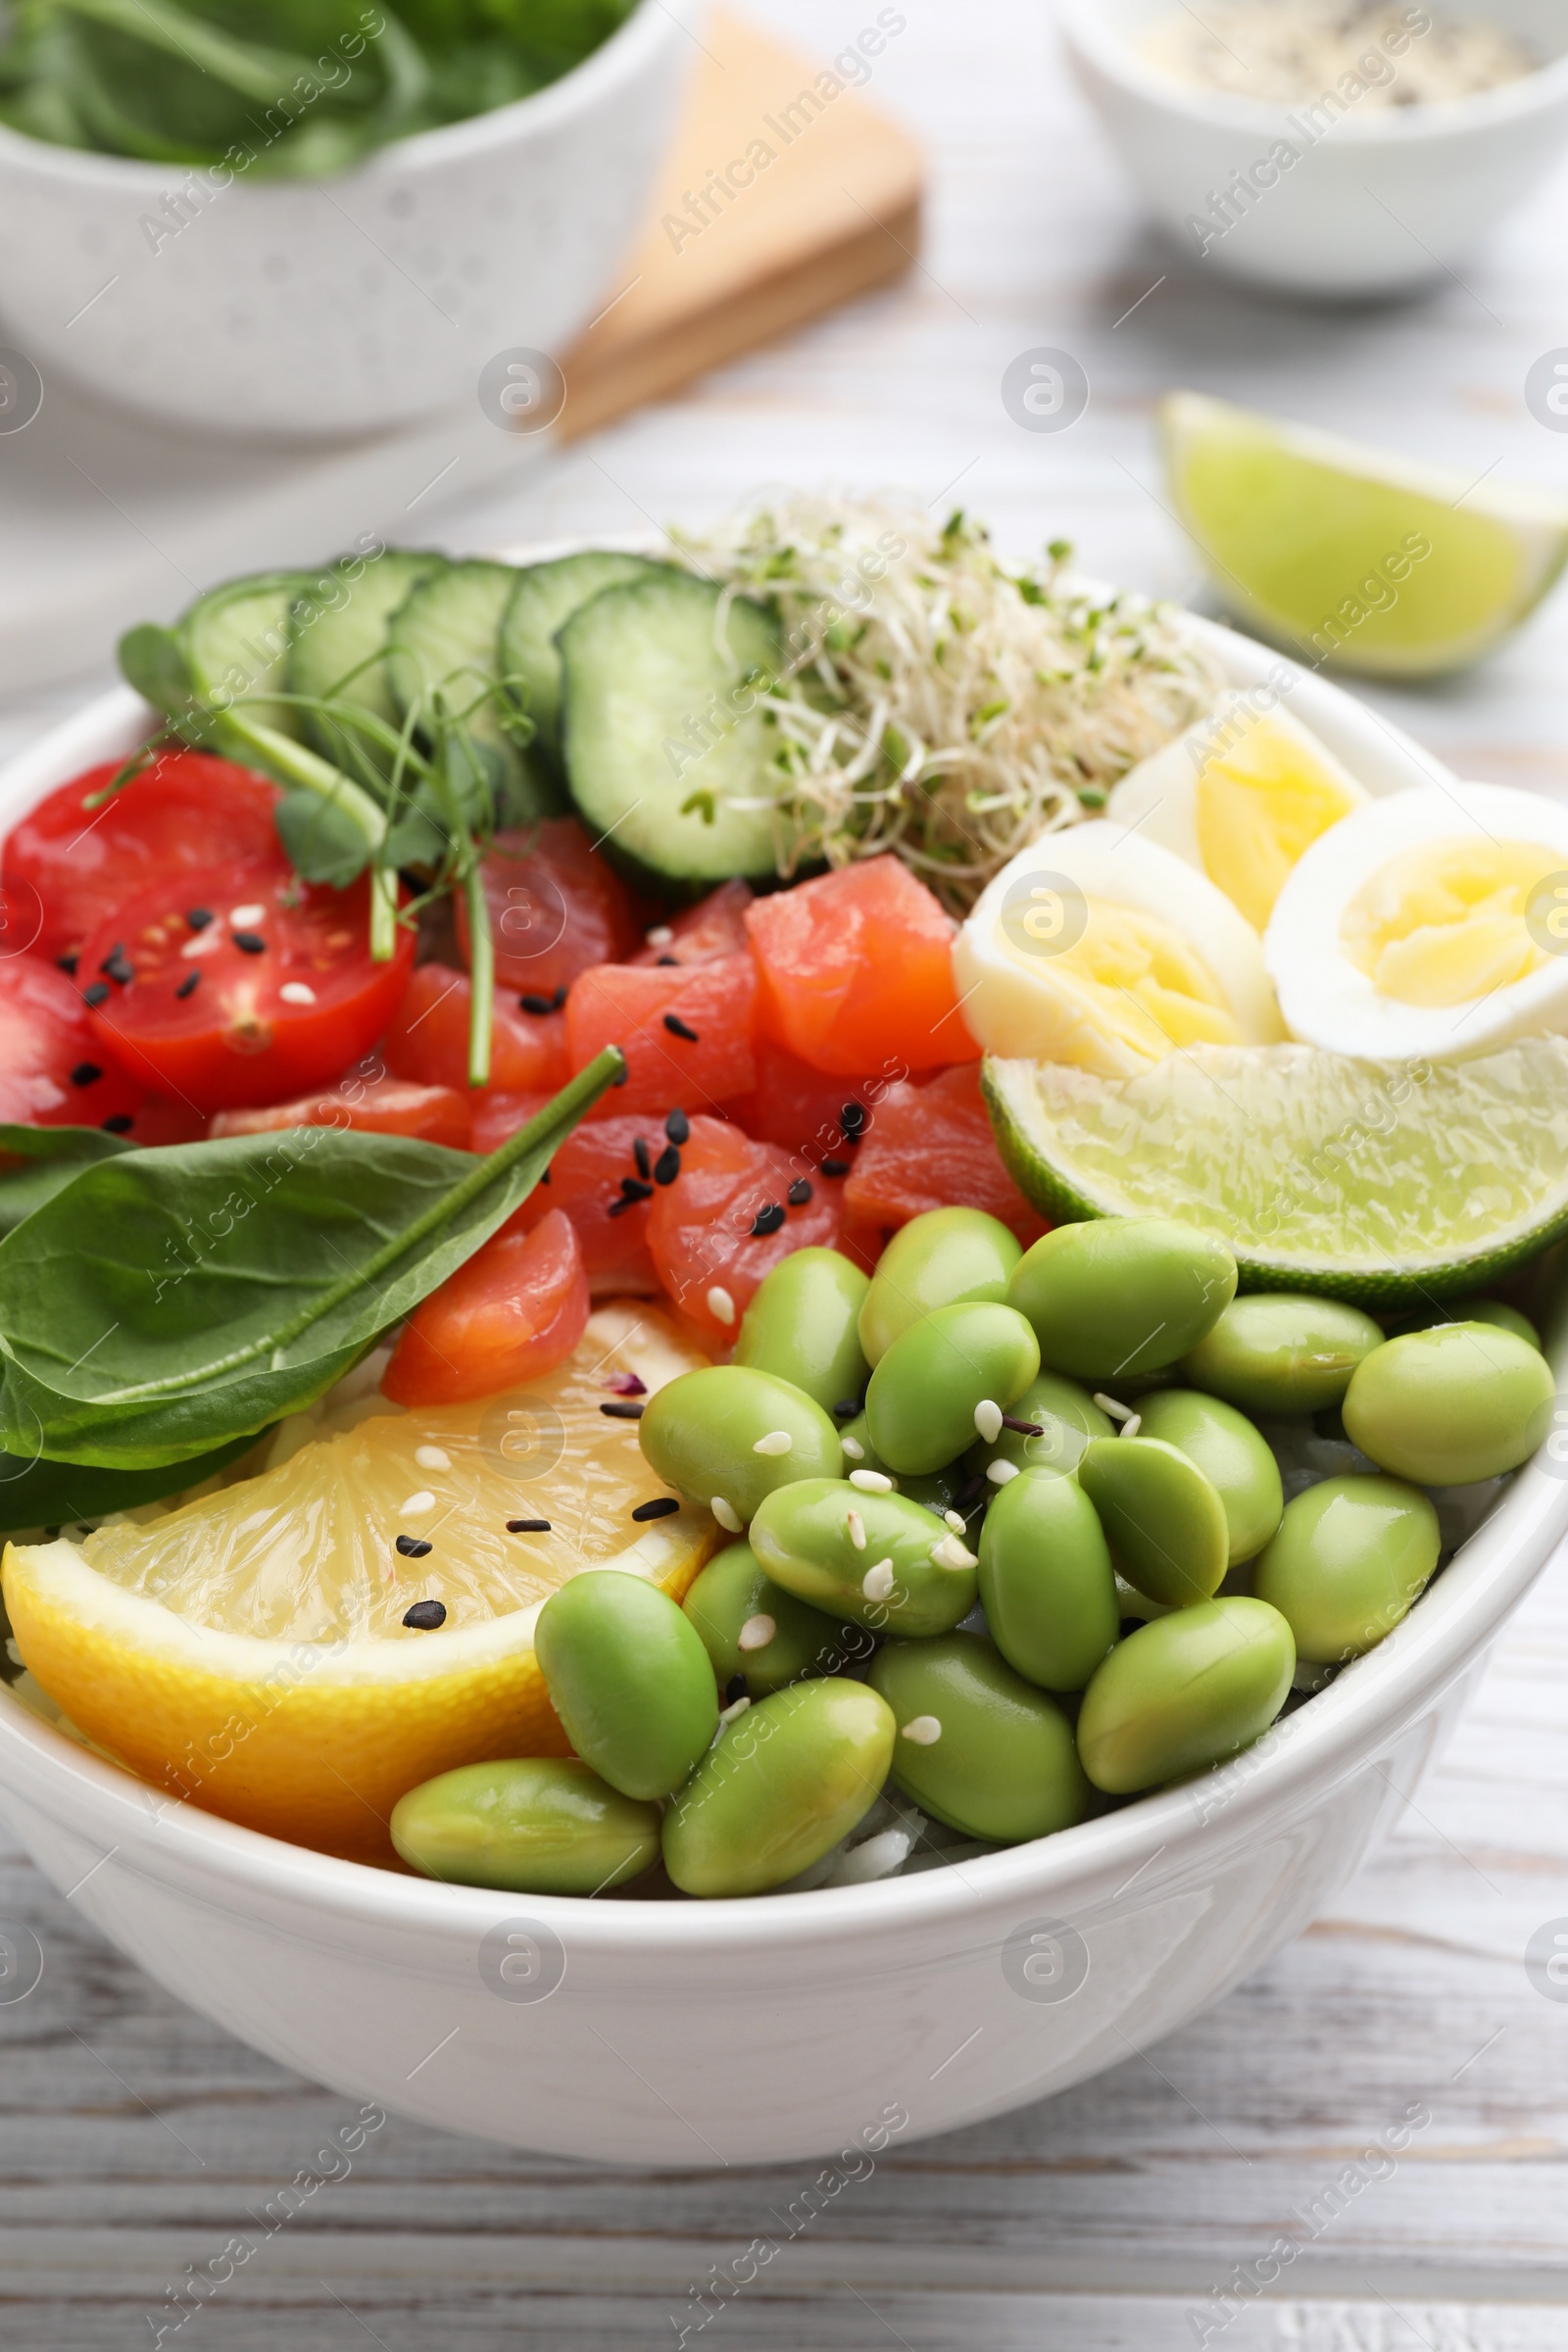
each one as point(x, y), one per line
point(1258, 803)
point(1444, 923)
point(1129, 981)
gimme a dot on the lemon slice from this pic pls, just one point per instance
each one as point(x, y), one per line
point(248, 1649)
point(1390, 1182)
point(1358, 557)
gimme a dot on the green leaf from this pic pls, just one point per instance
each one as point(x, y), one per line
point(322, 842)
point(166, 1301)
point(36, 1162)
point(44, 1493)
point(153, 661)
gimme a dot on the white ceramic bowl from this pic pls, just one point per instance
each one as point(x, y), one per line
point(680, 2033)
point(1377, 201)
point(307, 309)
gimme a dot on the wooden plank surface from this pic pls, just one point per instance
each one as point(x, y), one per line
point(134, 2138)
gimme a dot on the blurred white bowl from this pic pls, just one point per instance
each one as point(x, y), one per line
point(305, 310)
point(1381, 202)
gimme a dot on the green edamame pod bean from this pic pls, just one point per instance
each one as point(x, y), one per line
point(1120, 1296)
point(1066, 1416)
point(946, 1258)
point(1183, 1693)
point(1352, 1557)
point(937, 1490)
point(1233, 1457)
point(752, 1628)
point(789, 1779)
point(629, 1678)
point(1277, 1351)
point(1477, 1310)
point(538, 1825)
point(979, 1748)
point(1452, 1405)
point(1163, 1519)
point(1047, 1580)
point(804, 1326)
point(727, 1435)
point(877, 1560)
point(921, 1405)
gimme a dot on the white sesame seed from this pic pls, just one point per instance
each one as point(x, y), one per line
point(777, 1440)
point(205, 943)
point(854, 1448)
point(988, 1420)
point(1130, 1428)
point(950, 1554)
point(1108, 1404)
point(660, 936)
point(856, 1526)
point(242, 917)
point(297, 992)
point(720, 1305)
point(417, 1504)
point(1000, 1472)
point(755, 1634)
point(958, 1522)
point(924, 1730)
point(871, 1481)
point(878, 1582)
point(726, 1514)
point(433, 1457)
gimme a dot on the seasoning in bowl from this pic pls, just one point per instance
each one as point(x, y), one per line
point(1375, 53)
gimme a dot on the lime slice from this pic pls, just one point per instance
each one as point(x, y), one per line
point(1357, 557)
point(1384, 1182)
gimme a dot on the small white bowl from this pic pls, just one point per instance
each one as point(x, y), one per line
point(669, 2034)
point(1377, 203)
point(305, 310)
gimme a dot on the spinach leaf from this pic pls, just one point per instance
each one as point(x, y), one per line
point(44, 1493)
point(169, 1301)
point(319, 842)
point(36, 1162)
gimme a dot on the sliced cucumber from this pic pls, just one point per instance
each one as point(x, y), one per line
point(443, 638)
point(544, 600)
point(338, 632)
point(236, 640)
point(666, 756)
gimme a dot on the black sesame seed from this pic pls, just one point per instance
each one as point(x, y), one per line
point(119, 967)
point(1023, 1429)
point(800, 1192)
point(767, 1219)
point(621, 1075)
point(970, 1496)
point(198, 917)
point(187, 987)
point(97, 994)
point(558, 1000)
point(544, 1175)
point(677, 1028)
point(847, 1408)
point(527, 1527)
point(678, 1127)
point(835, 1167)
point(669, 959)
point(85, 1073)
point(632, 1187)
point(660, 1508)
point(735, 1688)
point(119, 1122)
point(249, 943)
point(415, 1547)
point(68, 965)
point(853, 1120)
point(536, 1004)
point(618, 1208)
point(624, 1408)
point(666, 1168)
point(643, 1157)
point(427, 1616)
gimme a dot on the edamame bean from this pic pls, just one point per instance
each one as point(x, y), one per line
point(938, 1489)
point(539, 1825)
point(1163, 1519)
point(629, 1678)
point(978, 1747)
point(1452, 1405)
point(803, 1326)
point(921, 1405)
point(1233, 1457)
point(1066, 1416)
point(946, 1258)
point(1121, 1295)
point(1279, 1352)
point(752, 1628)
point(1485, 1310)
point(877, 1560)
point(728, 1435)
point(1352, 1557)
point(789, 1779)
point(1047, 1580)
point(1185, 1693)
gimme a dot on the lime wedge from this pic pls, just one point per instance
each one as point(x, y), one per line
point(1356, 558)
point(1382, 1182)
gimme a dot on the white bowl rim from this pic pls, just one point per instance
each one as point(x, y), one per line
point(575, 92)
point(1334, 1734)
point(1082, 25)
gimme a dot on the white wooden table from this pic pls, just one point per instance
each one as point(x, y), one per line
point(134, 2138)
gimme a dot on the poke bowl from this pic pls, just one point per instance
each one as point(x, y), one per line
point(917, 1966)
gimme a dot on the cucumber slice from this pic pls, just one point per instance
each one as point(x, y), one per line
point(236, 640)
point(544, 600)
point(444, 637)
point(339, 628)
point(666, 761)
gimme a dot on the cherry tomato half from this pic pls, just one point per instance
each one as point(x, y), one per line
point(53, 1070)
point(241, 986)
